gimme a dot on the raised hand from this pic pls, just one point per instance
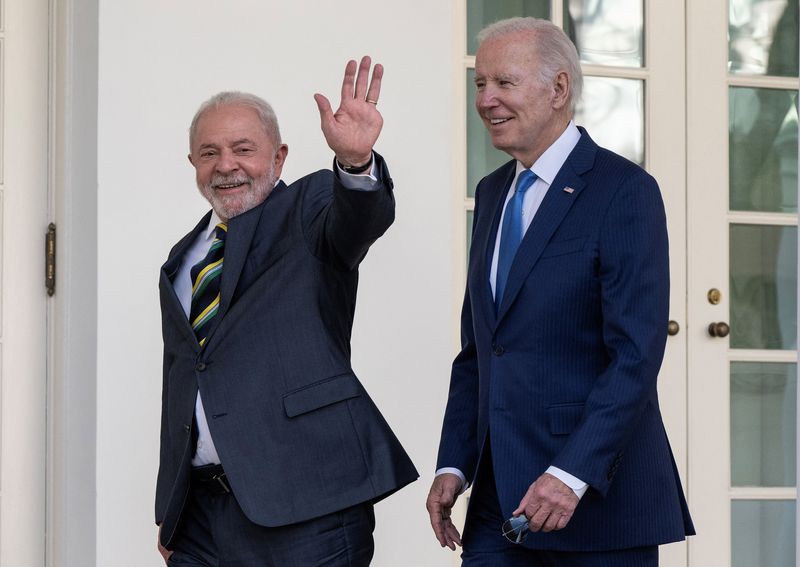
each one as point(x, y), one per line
point(352, 130)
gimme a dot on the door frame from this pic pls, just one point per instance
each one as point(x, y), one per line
point(72, 312)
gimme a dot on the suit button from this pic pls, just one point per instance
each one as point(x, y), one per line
point(498, 350)
point(200, 366)
point(187, 428)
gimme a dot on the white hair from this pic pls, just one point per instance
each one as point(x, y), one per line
point(265, 112)
point(555, 50)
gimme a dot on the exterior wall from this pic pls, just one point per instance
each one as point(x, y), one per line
point(157, 62)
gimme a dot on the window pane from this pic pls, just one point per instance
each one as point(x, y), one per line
point(612, 111)
point(763, 37)
point(763, 149)
point(763, 423)
point(607, 32)
point(481, 13)
point(763, 264)
point(762, 533)
point(482, 156)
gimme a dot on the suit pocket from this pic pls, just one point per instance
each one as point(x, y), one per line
point(564, 418)
point(321, 394)
point(562, 247)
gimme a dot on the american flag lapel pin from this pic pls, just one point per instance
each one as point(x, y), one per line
point(569, 190)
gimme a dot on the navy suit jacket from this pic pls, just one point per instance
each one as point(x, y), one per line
point(295, 430)
point(564, 372)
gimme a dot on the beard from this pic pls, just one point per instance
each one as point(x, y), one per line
point(229, 206)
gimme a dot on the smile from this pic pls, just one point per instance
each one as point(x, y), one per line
point(225, 186)
point(496, 121)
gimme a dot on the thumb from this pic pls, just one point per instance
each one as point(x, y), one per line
point(324, 106)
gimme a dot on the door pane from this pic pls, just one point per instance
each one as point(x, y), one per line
point(606, 32)
point(763, 149)
point(763, 37)
point(482, 156)
point(763, 423)
point(481, 13)
point(762, 533)
point(612, 110)
point(763, 280)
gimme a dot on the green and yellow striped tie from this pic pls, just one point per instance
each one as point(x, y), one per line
point(206, 276)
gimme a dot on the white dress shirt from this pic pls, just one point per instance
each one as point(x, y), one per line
point(546, 168)
point(206, 452)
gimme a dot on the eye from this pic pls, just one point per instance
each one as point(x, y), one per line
point(207, 154)
point(244, 151)
point(480, 84)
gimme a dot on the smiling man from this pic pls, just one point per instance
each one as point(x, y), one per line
point(553, 413)
point(272, 453)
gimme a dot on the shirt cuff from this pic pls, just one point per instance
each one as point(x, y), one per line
point(366, 181)
point(458, 473)
point(577, 485)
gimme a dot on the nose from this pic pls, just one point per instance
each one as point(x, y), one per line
point(485, 98)
point(226, 162)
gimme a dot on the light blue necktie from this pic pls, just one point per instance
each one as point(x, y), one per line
point(511, 234)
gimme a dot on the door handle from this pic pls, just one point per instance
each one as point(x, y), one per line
point(673, 328)
point(719, 330)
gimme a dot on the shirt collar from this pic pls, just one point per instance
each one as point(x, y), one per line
point(210, 230)
point(550, 162)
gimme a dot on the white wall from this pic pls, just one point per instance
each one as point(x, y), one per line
point(157, 61)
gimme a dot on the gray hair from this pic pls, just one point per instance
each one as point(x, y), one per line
point(265, 112)
point(555, 50)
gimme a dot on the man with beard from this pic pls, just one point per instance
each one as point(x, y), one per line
point(272, 453)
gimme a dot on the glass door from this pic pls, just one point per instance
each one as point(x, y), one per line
point(742, 209)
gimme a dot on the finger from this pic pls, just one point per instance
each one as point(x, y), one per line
point(563, 521)
point(347, 82)
point(538, 518)
point(361, 78)
point(453, 537)
point(551, 523)
point(324, 106)
point(375, 84)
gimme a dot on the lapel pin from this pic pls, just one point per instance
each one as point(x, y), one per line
point(569, 190)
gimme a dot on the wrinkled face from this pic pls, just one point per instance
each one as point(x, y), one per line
point(236, 163)
point(523, 115)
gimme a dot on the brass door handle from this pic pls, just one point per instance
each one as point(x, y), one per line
point(673, 328)
point(719, 329)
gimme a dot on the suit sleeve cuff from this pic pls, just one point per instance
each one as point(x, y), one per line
point(366, 181)
point(577, 485)
point(458, 473)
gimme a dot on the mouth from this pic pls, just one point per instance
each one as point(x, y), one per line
point(497, 121)
point(231, 186)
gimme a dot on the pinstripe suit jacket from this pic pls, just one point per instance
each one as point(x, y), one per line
point(296, 432)
point(564, 373)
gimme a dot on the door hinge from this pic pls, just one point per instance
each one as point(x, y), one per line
point(50, 260)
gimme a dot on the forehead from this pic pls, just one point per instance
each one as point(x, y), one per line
point(228, 123)
point(513, 50)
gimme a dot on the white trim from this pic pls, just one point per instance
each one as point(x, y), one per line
point(72, 380)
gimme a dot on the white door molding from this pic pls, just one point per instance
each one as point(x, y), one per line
point(72, 427)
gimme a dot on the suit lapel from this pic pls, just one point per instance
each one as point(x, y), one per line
point(488, 239)
point(555, 206)
point(170, 302)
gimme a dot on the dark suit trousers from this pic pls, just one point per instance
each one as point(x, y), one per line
point(214, 532)
point(485, 545)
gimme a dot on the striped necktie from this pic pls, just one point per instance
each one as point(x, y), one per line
point(511, 233)
point(206, 276)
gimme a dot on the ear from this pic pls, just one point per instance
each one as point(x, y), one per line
point(280, 159)
point(561, 90)
point(190, 159)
